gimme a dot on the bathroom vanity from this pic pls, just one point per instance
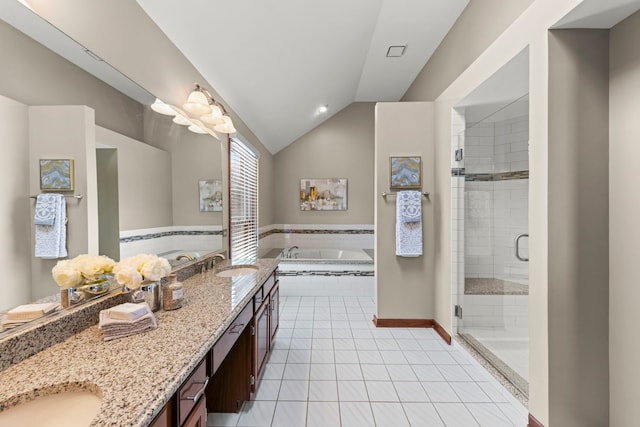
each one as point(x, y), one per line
point(207, 356)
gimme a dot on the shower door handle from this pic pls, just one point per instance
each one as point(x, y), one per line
point(516, 246)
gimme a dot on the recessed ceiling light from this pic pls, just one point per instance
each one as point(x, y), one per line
point(396, 51)
point(323, 108)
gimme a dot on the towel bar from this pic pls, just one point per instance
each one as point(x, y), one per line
point(75, 196)
point(393, 193)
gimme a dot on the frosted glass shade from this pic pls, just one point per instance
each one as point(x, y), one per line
point(197, 104)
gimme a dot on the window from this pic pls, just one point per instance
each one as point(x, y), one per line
point(243, 185)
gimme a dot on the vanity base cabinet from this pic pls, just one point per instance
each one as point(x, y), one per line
point(230, 384)
point(261, 341)
point(164, 418)
point(198, 417)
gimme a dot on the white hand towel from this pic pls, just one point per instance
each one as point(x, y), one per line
point(46, 207)
point(410, 206)
point(408, 234)
point(51, 240)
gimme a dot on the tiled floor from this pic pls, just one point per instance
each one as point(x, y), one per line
point(331, 367)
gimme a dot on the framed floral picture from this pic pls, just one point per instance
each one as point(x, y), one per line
point(405, 173)
point(56, 174)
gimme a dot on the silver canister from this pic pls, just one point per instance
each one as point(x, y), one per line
point(148, 292)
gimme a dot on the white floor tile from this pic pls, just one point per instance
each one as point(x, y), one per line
point(410, 391)
point(299, 356)
point(422, 414)
point(431, 345)
point(352, 391)
point(302, 333)
point(517, 414)
point(470, 392)
point(289, 414)
point(294, 390)
point(341, 333)
point(368, 357)
point(300, 343)
point(387, 344)
point(455, 415)
point(389, 414)
point(346, 356)
point(356, 414)
point(365, 344)
point(401, 373)
point(323, 371)
point(296, 371)
point(427, 373)
point(393, 357)
point(344, 344)
point(375, 373)
point(323, 391)
point(322, 333)
point(441, 358)
point(278, 356)
point(322, 324)
point(222, 420)
point(348, 372)
point(273, 371)
point(257, 414)
point(417, 357)
point(496, 395)
point(362, 333)
point(476, 374)
point(322, 344)
point(408, 344)
point(322, 356)
point(323, 414)
point(489, 415)
point(454, 373)
point(381, 391)
point(440, 392)
point(267, 390)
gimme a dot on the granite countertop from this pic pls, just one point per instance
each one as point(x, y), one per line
point(136, 376)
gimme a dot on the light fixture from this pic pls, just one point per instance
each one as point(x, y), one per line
point(202, 113)
point(323, 108)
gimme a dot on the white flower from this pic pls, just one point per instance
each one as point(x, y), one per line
point(65, 275)
point(72, 272)
point(133, 270)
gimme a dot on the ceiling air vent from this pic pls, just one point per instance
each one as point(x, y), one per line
point(396, 51)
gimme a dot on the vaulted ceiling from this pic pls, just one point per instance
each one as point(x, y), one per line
point(276, 63)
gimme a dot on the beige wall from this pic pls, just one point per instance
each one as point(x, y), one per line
point(15, 219)
point(38, 76)
point(481, 22)
point(404, 286)
point(624, 229)
point(166, 73)
point(341, 147)
point(65, 132)
point(144, 182)
point(578, 250)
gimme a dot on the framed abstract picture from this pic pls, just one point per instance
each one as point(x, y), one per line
point(56, 174)
point(405, 173)
point(323, 194)
point(210, 195)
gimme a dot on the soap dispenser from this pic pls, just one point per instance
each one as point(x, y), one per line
point(172, 294)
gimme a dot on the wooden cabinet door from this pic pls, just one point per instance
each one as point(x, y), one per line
point(198, 417)
point(261, 340)
point(275, 310)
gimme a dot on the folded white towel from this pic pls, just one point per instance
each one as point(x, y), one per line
point(28, 312)
point(117, 328)
point(51, 240)
point(408, 234)
point(46, 207)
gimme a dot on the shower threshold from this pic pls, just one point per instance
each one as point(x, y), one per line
point(509, 378)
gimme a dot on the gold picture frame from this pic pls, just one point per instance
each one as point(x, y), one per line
point(405, 172)
point(56, 174)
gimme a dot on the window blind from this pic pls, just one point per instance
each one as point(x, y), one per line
point(243, 185)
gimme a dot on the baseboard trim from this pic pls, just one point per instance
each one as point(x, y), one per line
point(413, 323)
point(533, 422)
point(442, 332)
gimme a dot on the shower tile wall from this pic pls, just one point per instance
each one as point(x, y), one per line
point(496, 211)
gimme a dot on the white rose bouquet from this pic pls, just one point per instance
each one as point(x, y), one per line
point(82, 269)
point(132, 271)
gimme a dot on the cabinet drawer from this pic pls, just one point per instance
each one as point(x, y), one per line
point(192, 390)
point(222, 347)
point(268, 284)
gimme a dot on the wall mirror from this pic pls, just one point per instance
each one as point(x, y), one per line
point(138, 172)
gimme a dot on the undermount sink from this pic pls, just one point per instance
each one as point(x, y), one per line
point(238, 270)
point(66, 409)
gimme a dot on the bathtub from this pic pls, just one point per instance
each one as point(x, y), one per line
point(326, 272)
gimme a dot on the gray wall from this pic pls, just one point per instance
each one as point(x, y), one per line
point(578, 251)
point(481, 22)
point(624, 228)
point(404, 286)
point(15, 220)
point(38, 76)
point(341, 147)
